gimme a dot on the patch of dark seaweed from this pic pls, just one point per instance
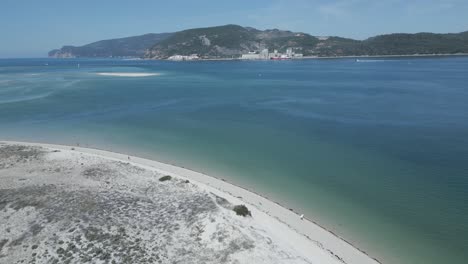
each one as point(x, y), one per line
point(13, 154)
point(3, 242)
point(99, 172)
point(165, 178)
point(222, 202)
point(242, 210)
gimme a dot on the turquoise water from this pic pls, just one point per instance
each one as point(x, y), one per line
point(376, 150)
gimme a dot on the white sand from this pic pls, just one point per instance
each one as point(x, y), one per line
point(128, 74)
point(312, 242)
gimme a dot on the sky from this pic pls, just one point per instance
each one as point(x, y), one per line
point(30, 28)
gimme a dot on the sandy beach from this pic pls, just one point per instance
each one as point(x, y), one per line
point(202, 228)
point(128, 74)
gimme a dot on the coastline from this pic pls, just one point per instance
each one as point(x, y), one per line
point(389, 56)
point(127, 74)
point(302, 58)
point(326, 240)
point(328, 57)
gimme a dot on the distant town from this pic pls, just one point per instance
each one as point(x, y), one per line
point(275, 55)
point(264, 54)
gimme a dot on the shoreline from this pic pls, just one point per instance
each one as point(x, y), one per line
point(326, 57)
point(127, 74)
point(325, 239)
point(387, 56)
point(302, 58)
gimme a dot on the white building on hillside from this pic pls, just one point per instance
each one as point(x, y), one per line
point(250, 56)
point(266, 55)
point(183, 57)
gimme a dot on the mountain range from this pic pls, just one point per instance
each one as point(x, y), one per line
point(121, 47)
point(230, 41)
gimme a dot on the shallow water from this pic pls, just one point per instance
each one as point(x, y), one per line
point(375, 150)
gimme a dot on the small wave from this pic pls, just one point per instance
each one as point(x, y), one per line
point(25, 98)
point(377, 60)
point(128, 74)
point(360, 60)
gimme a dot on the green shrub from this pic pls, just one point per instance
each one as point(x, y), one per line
point(165, 178)
point(242, 210)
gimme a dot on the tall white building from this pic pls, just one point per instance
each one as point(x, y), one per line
point(250, 56)
point(264, 54)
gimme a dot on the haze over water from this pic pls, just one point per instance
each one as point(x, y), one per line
point(375, 150)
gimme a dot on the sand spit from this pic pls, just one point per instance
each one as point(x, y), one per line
point(62, 204)
point(128, 74)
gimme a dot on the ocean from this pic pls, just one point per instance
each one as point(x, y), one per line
point(375, 150)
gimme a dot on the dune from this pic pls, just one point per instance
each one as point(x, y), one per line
point(128, 74)
point(84, 205)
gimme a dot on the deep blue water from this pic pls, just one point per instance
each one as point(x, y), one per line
point(375, 150)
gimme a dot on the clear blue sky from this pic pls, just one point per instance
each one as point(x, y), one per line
point(32, 28)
